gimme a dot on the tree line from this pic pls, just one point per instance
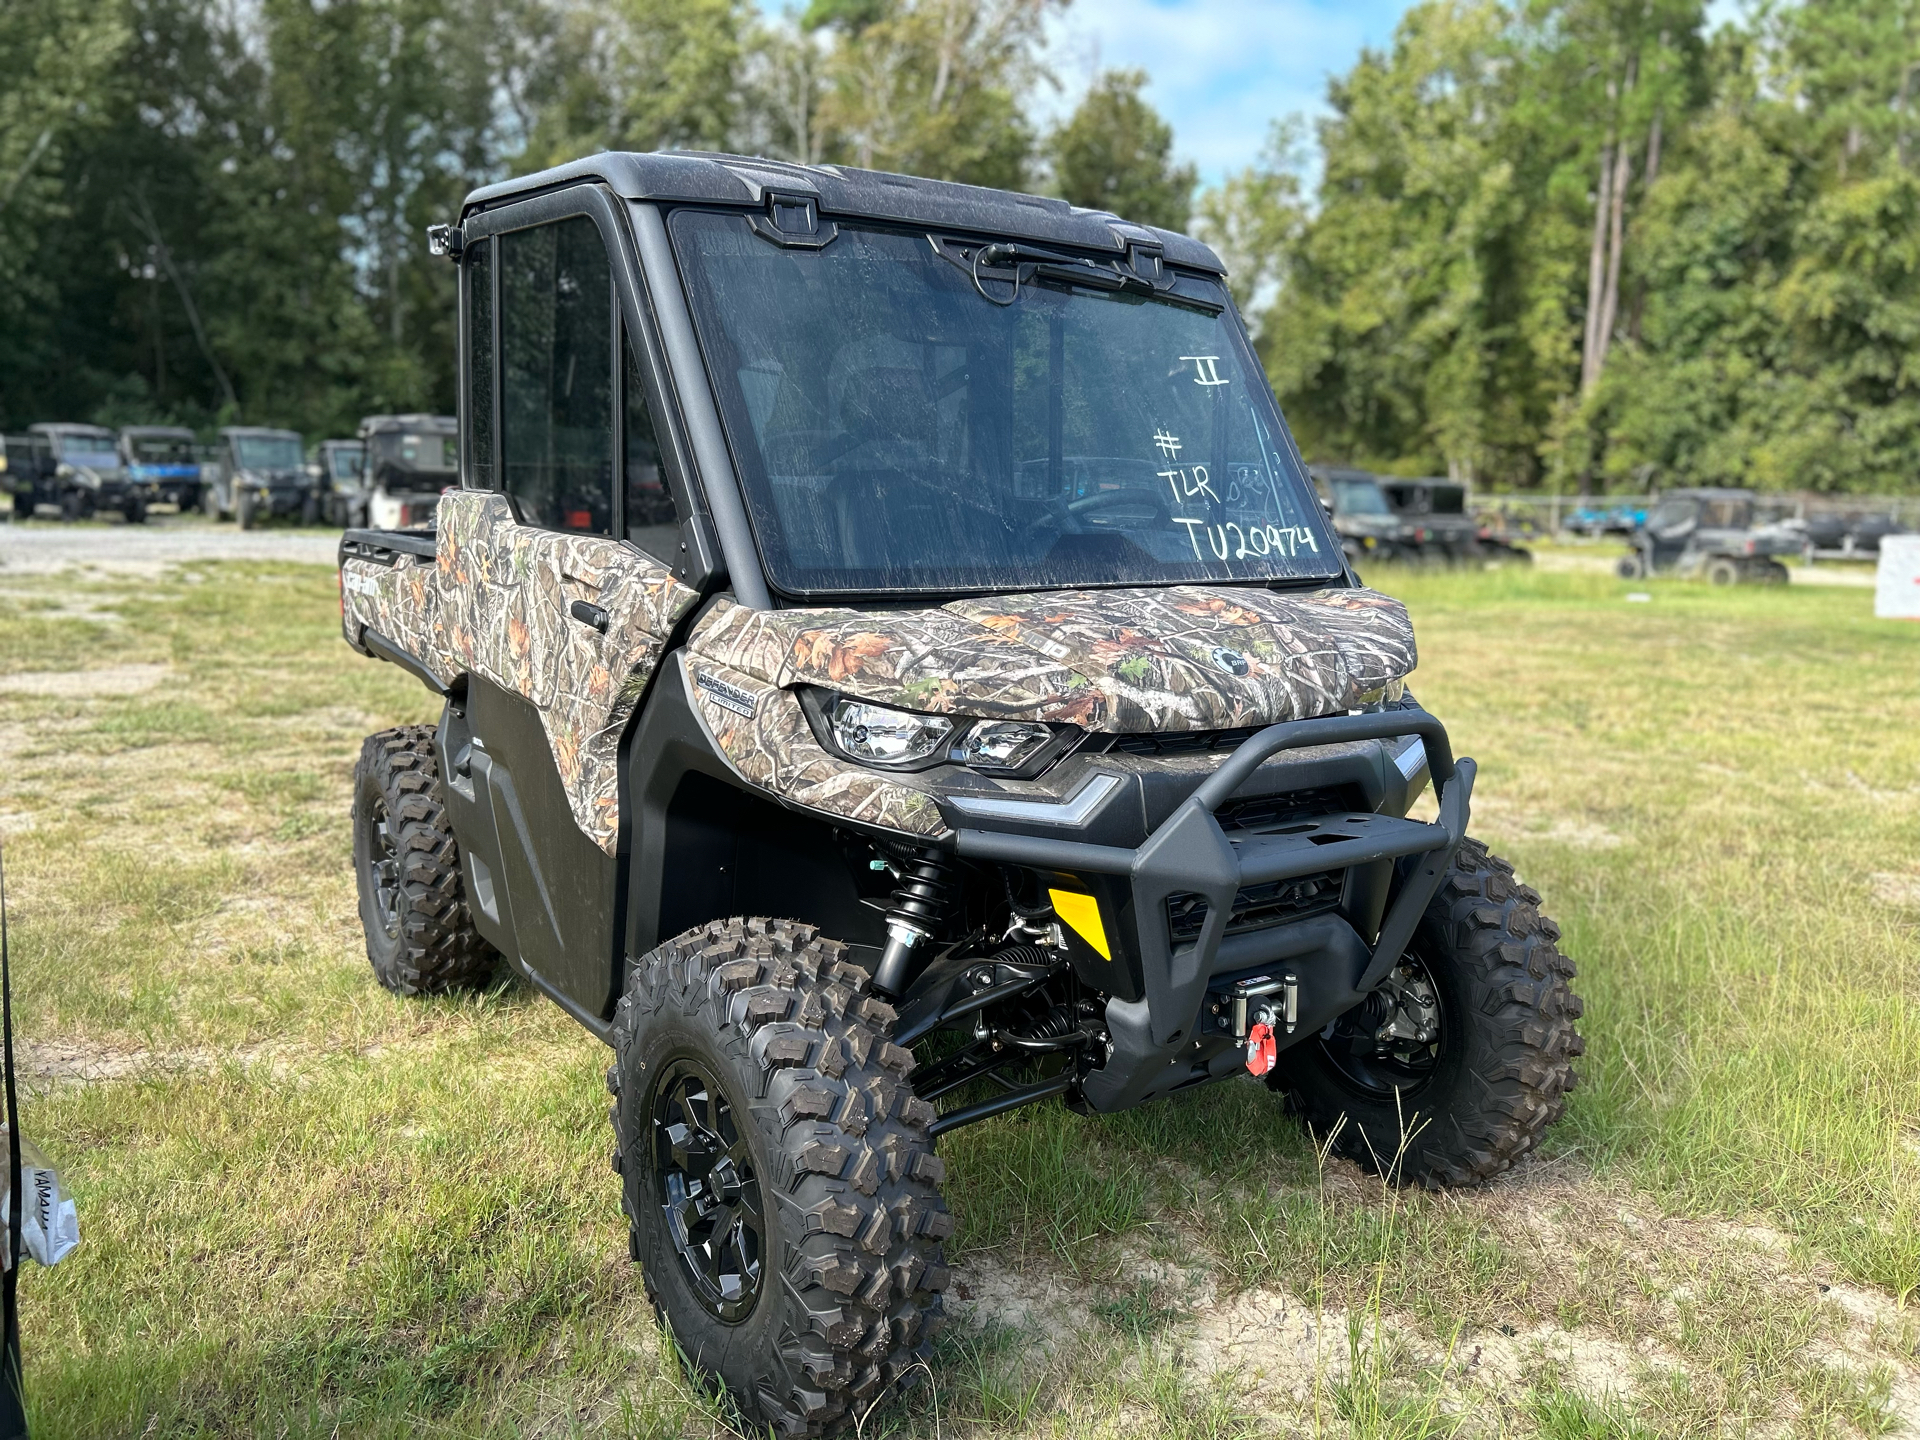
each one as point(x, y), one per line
point(1581, 244)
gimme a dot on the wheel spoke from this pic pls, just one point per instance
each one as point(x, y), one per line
point(709, 1191)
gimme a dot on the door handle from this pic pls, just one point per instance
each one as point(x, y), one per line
point(588, 613)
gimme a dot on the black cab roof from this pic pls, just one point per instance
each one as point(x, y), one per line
point(63, 427)
point(413, 424)
point(702, 178)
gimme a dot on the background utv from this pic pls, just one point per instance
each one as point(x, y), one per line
point(895, 671)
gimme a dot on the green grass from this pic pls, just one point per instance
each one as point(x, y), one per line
point(309, 1208)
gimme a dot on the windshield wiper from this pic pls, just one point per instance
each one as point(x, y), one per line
point(1028, 262)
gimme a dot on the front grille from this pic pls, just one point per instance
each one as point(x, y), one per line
point(1185, 742)
point(1277, 901)
point(1264, 814)
point(1257, 906)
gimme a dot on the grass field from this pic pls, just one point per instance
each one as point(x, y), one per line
point(311, 1209)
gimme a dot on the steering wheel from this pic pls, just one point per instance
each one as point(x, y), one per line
point(1106, 499)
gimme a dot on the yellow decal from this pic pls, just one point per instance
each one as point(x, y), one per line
point(1082, 912)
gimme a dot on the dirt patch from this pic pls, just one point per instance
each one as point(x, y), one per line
point(1898, 890)
point(106, 680)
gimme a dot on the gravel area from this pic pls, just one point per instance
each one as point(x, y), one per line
point(47, 547)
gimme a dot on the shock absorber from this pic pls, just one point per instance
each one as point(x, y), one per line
point(920, 900)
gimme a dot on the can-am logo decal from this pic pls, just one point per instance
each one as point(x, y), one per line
point(360, 584)
point(727, 697)
point(1231, 661)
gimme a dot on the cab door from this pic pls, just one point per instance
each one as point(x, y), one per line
point(564, 607)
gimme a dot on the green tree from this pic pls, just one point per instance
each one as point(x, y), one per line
point(1254, 220)
point(1424, 320)
point(1116, 153)
point(933, 87)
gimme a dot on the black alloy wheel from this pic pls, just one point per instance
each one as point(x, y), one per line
point(1392, 1044)
point(708, 1189)
point(383, 865)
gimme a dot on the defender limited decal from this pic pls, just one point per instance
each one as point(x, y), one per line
point(727, 697)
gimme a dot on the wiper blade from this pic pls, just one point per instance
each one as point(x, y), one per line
point(1072, 269)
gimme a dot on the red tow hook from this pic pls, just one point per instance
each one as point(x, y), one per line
point(1260, 1049)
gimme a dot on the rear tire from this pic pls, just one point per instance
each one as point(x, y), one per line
point(828, 1289)
point(413, 901)
point(1631, 567)
point(1498, 1069)
point(1723, 572)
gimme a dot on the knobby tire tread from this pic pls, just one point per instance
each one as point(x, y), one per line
point(439, 950)
point(1520, 1037)
point(855, 1189)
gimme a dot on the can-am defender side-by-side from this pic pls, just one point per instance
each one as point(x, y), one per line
point(1714, 534)
point(895, 670)
point(163, 462)
point(88, 475)
point(26, 473)
point(410, 460)
point(260, 473)
point(1414, 522)
point(339, 472)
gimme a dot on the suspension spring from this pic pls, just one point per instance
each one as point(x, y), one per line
point(920, 901)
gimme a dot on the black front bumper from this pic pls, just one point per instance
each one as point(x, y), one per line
point(1161, 1041)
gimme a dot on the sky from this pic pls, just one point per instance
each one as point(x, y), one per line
point(1222, 71)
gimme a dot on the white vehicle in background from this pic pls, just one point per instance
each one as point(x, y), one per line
point(410, 459)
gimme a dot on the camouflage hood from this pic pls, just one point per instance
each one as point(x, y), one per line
point(1175, 658)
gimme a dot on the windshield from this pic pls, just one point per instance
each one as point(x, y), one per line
point(346, 465)
point(96, 452)
point(1359, 497)
point(162, 450)
point(898, 430)
point(414, 452)
point(267, 452)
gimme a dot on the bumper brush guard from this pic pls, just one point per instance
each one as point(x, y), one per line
point(1190, 852)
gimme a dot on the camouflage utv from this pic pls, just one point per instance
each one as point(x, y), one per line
point(895, 671)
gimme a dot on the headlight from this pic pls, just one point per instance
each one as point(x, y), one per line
point(1004, 744)
point(902, 740)
point(883, 736)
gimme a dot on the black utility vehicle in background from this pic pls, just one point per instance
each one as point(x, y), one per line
point(88, 473)
point(1423, 521)
point(1715, 534)
point(410, 460)
point(894, 669)
point(259, 473)
point(162, 462)
point(340, 478)
point(26, 473)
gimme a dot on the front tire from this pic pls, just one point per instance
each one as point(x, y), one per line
point(243, 510)
point(1630, 567)
point(778, 1174)
point(1454, 1070)
point(413, 901)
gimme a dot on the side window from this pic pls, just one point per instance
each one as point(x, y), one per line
point(652, 521)
point(556, 384)
point(479, 256)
